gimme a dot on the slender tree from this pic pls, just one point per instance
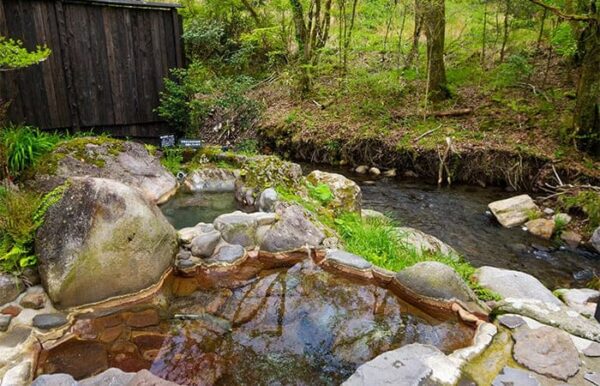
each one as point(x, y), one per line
point(434, 21)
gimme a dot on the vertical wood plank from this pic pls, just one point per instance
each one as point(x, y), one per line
point(63, 34)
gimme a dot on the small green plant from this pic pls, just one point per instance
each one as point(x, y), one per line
point(533, 214)
point(172, 160)
point(247, 147)
point(23, 146)
point(560, 224)
point(321, 192)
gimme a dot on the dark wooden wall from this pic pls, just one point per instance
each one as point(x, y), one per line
point(107, 66)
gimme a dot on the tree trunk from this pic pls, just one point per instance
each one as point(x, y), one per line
point(435, 31)
point(506, 29)
point(414, 49)
point(483, 43)
point(587, 109)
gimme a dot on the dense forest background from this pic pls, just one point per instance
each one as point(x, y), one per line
point(516, 75)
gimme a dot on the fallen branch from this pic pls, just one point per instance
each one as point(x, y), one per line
point(436, 114)
point(425, 134)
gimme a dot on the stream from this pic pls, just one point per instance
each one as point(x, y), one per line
point(458, 215)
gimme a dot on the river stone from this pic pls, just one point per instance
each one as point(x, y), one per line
point(348, 259)
point(541, 227)
point(362, 169)
point(10, 288)
point(509, 376)
point(560, 316)
point(582, 300)
point(592, 377)
point(5, 322)
point(414, 364)
point(293, 231)
point(49, 321)
point(112, 242)
point(55, 380)
point(595, 240)
point(514, 284)
point(438, 281)
point(511, 321)
point(422, 242)
point(267, 200)
point(346, 193)
point(204, 245)
point(186, 235)
point(18, 375)
point(110, 377)
point(513, 211)
point(228, 254)
point(216, 180)
point(547, 351)
point(370, 214)
point(237, 228)
point(126, 162)
point(572, 239)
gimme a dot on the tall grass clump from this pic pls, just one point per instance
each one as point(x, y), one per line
point(22, 146)
point(378, 241)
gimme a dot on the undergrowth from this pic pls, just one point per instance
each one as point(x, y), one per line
point(21, 214)
point(587, 202)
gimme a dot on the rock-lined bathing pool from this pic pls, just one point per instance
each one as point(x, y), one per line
point(188, 209)
point(299, 325)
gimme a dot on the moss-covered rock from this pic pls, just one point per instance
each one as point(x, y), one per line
point(347, 196)
point(102, 239)
point(101, 157)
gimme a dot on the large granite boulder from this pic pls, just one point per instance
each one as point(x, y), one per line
point(292, 231)
point(10, 288)
point(513, 211)
point(422, 242)
point(346, 193)
point(411, 365)
point(514, 284)
point(216, 180)
point(127, 162)
point(102, 239)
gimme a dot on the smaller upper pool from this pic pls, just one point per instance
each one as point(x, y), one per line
point(188, 209)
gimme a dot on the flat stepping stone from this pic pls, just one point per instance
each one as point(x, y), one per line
point(511, 321)
point(509, 376)
point(49, 321)
point(5, 322)
point(547, 351)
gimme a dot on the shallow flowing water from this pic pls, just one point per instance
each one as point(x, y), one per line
point(457, 215)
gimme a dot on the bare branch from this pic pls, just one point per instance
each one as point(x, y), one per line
point(560, 13)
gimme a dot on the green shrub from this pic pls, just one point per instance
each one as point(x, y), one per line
point(247, 147)
point(514, 70)
point(22, 146)
point(195, 99)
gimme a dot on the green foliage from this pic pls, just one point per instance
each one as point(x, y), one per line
point(322, 193)
point(14, 56)
point(588, 202)
point(563, 40)
point(247, 147)
point(515, 70)
point(172, 160)
point(533, 214)
point(22, 146)
point(196, 99)
point(21, 214)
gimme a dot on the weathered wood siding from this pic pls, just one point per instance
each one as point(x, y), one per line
point(108, 62)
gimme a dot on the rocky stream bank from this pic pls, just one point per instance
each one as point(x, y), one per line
point(119, 291)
